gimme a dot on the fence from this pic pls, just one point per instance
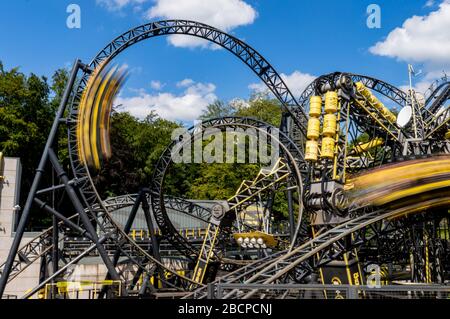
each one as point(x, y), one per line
point(297, 291)
point(80, 289)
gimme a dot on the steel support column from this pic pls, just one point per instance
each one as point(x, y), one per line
point(37, 178)
point(61, 174)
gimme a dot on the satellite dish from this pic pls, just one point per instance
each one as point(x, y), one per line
point(404, 116)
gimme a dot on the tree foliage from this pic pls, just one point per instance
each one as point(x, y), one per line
point(26, 115)
point(27, 107)
point(136, 147)
point(217, 109)
point(221, 180)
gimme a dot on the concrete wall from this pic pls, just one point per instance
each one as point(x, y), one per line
point(91, 269)
point(10, 169)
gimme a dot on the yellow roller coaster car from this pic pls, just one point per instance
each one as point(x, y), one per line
point(94, 112)
point(407, 180)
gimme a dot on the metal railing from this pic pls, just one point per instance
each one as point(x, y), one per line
point(317, 291)
point(80, 289)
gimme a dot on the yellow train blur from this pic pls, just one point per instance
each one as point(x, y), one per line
point(93, 124)
point(400, 181)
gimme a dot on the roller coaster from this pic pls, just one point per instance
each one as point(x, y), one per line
point(363, 185)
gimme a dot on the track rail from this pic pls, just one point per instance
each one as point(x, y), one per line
point(388, 90)
point(434, 89)
point(327, 246)
point(254, 60)
point(42, 244)
point(440, 98)
point(288, 149)
point(303, 258)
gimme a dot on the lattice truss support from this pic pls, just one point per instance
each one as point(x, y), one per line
point(107, 230)
point(288, 150)
point(294, 265)
point(248, 193)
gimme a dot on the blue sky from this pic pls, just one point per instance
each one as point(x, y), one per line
point(177, 78)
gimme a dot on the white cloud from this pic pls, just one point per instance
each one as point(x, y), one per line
point(421, 39)
point(185, 83)
point(203, 89)
point(223, 14)
point(429, 3)
point(156, 85)
point(187, 106)
point(296, 82)
point(419, 87)
point(115, 5)
point(258, 87)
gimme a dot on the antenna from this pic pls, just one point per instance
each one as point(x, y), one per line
point(411, 73)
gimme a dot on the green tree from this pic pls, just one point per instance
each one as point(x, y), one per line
point(264, 109)
point(26, 115)
point(27, 108)
point(136, 146)
point(217, 109)
point(221, 180)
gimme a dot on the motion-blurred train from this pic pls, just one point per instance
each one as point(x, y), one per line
point(407, 181)
point(93, 123)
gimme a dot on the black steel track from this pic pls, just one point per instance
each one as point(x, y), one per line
point(388, 90)
point(441, 96)
point(435, 87)
point(41, 244)
point(303, 259)
point(244, 52)
point(288, 150)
